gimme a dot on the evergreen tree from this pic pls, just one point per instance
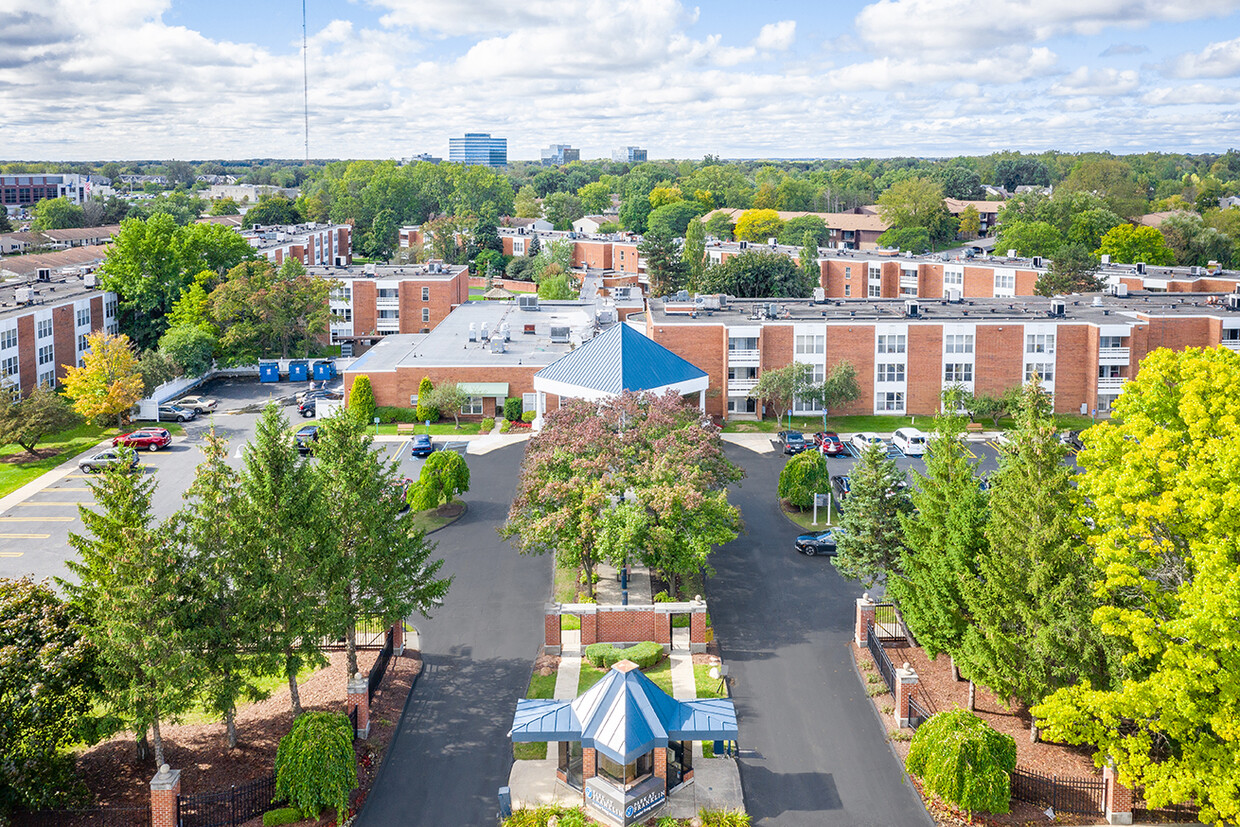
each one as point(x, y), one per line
point(362, 399)
point(376, 563)
point(664, 266)
point(280, 510)
point(809, 259)
point(871, 539)
point(133, 589)
point(1032, 602)
point(426, 410)
point(693, 254)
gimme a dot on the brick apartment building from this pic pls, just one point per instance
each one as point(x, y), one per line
point(43, 326)
point(311, 244)
point(907, 352)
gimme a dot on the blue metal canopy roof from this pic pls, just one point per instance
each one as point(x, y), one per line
point(623, 716)
point(618, 360)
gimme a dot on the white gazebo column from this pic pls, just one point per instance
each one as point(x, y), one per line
point(702, 401)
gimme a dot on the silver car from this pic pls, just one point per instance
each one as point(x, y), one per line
point(125, 457)
point(199, 404)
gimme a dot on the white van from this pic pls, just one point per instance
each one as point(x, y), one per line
point(910, 440)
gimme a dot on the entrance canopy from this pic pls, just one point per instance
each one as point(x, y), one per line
point(484, 388)
point(624, 716)
point(621, 359)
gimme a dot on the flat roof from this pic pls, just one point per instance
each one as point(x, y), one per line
point(422, 272)
point(47, 294)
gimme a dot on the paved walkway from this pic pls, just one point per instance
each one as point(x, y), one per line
point(607, 590)
point(569, 674)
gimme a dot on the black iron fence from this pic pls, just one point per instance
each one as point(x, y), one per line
point(889, 625)
point(381, 664)
point(1081, 794)
point(1171, 813)
point(93, 817)
point(917, 714)
point(885, 668)
point(227, 808)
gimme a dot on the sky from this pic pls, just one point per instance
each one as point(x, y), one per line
point(195, 80)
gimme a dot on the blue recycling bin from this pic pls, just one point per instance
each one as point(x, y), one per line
point(324, 371)
point(269, 371)
point(298, 371)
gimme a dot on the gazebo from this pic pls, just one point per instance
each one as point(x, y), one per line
point(617, 360)
point(624, 742)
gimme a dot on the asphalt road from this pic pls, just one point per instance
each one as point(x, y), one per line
point(451, 752)
point(813, 751)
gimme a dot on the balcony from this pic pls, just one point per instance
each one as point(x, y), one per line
point(744, 357)
point(1113, 356)
point(1234, 344)
point(741, 387)
point(387, 303)
point(1111, 385)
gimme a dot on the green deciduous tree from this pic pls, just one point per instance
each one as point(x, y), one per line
point(527, 204)
point(912, 239)
point(1110, 179)
point(224, 206)
point(1029, 238)
point(758, 226)
point(871, 541)
point(839, 388)
point(1128, 244)
point(672, 220)
point(964, 761)
point(562, 209)
point(693, 253)
point(362, 398)
point(449, 397)
point(721, 226)
point(191, 347)
point(917, 202)
point(316, 766)
point(794, 230)
point(1160, 479)
point(56, 214)
point(445, 474)
point(26, 420)
point(273, 210)
point(556, 287)
point(970, 222)
point(777, 388)
point(595, 197)
point(757, 274)
point(802, 477)
point(108, 382)
point(260, 312)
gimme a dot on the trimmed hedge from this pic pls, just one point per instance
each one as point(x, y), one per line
point(513, 406)
point(605, 655)
point(388, 415)
point(529, 416)
point(281, 816)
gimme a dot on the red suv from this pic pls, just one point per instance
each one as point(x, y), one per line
point(829, 443)
point(152, 439)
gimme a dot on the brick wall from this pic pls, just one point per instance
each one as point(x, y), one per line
point(624, 258)
point(1025, 281)
point(630, 626)
point(1000, 357)
point(925, 368)
point(930, 281)
point(706, 347)
point(64, 338)
point(443, 295)
point(596, 254)
point(27, 353)
point(365, 315)
point(855, 344)
point(1076, 368)
point(393, 388)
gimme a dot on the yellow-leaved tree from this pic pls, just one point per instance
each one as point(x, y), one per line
point(108, 382)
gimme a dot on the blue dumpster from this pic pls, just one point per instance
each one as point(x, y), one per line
point(298, 371)
point(269, 371)
point(324, 370)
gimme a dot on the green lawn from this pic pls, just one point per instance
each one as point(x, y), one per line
point(566, 586)
point(879, 423)
point(707, 687)
point(660, 673)
point(805, 518)
point(446, 428)
point(541, 686)
point(66, 444)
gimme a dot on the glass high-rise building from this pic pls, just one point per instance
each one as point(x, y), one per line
point(559, 155)
point(629, 154)
point(478, 148)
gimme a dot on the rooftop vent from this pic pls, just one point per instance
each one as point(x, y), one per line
point(1140, 268)
point(1037, 261)
point(559, 334)
point(1058, 308)
point(527, 303)
point(473, 332)
point(912, 309)
point(1106, 258)
point(820, 295)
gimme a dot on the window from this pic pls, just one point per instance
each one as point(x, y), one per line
point(389, 314)
point(8, 338)
point(529, 402)
point(1040, 343)
point(81, 342)
point(626, 775)
point(875, 272)
point(518, 247)
point(48, 378)
point(958, 372)
point(1043, 370)
point(109, 307)
point(342, 314)
point(426, 294)
point(83, 317)
point(742, 404)
point(426, 314)
point(847, 290)
point(473, 406)
point(811, 344)
point(891, 343)
point(114, 328)
point(875, 290)
point(43, 328)
point(1110, 341)
point(953, 277)
point(45, 355)
point(847, 272)
point(889, 373)
point(388, 293)
point(743, 373)
point(1110, 371)
point(891, 401)
point(1005, 281)
point(342, 294)
point(958, 343)
point(9, 366)
point(743, 344)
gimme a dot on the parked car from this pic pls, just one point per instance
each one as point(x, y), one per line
point(305, 438)
point(307, 408)
point(841, 485)
point(829, 443)
point(169, 412)
point(127, 458)
point(1072, 439)
point(863, 439)
point(152, 439)
point(822, 542)
point(793, 441)
point(198, 404)
point(316, 387)
point(421, 446)
point(911, 441)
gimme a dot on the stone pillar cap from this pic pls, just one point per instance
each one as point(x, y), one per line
point(166, 779)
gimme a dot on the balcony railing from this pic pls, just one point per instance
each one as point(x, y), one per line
point(744, 355)
point(1234, 344)
point(1111, 385)
point(1113, 355)
point(394, 301)
point(736, 386)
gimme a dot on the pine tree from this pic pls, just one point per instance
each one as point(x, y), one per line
point(426, 409)
point(281, 512)
point(133, 588)
point(693, 254)
point(376, 562)
point(871, 539)
point(809, 258)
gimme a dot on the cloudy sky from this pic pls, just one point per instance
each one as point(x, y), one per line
point(121, 79)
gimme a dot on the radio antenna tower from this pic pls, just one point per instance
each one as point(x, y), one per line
point(305, 79)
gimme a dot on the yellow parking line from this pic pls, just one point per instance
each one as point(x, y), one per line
point(37, 519)
point(24, 536)
point(11, 553)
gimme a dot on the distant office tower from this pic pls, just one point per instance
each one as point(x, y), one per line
point(478, 148)
point(422, 156)
point(629, 154)
point(560, 154)
point(23, 191)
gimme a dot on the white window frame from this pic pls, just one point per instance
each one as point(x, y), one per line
point(957, 372)
point(473, 407)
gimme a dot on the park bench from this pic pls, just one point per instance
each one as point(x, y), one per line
point(974, 427)
point(405, 428)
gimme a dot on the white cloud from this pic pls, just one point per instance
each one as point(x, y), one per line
point(1217, 60)
point(1194, 94)
point(1117, 49)
point(1011, 66)
point(776, 37)
point(1097, 82)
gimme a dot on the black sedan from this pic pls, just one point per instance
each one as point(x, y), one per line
point(841, 485)
point(794, 442)
point(821, 543)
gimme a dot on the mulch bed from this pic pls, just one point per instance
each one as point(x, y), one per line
point(450, 510)
point(116, 778)
point(938, 691)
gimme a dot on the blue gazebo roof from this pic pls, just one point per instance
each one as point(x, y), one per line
point(623, 716)
point(621, 359)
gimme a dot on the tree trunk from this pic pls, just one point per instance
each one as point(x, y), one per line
point(972, 696)
point(158, 742)
point(587, 566)
point(142, 748)
point(955, 671)
point(1033, 732)
point(290, 669)
point(230, 725)
point(350, 648)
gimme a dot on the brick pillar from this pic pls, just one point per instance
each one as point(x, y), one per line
point(1117, 797)
point(660, 764)
point(165, 788)
point(359, 697)
point(589, 627)
point(697, 625)
point(551, 629)
point(398, 638)
point(589, 763)
point(906, 685)
point(865, 616)
point(662, 629)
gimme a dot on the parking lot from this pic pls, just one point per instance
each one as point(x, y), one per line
point(34, 533)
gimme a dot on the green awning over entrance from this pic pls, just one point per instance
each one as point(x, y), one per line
point(484, 388)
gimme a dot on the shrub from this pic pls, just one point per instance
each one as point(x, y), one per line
point(803, 476)
point(388, 415)
point(663, 597)
point(723, 818)
point(529, 416)
point(425, 409)
point(512, 408)
point(605, 655)
point(315, 763)
point(505, 426)
point(281, 816)
point(539, 816)
point(485, 426)
point(964, 761)
point(362, 399)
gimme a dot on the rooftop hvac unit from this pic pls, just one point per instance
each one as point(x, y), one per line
point(1106, 258)
point(820, 295)
point(497, 344)
point(559, 334)
point(1058, 308)
point(24, 295)
point(773, 241)
point(473, 332)
point(1140, 268)
point(1097, 302)
point(505, 330)
point(369, 269)
point(90, 280)
point(772, 311)
point(744, 245)
point(1121, 290)
point(953, 294)
point(44, 274)
point(1011, 253)
point(912, 309)
point(527, 303)
point(342, 261)
point(709, 302)
point(1233, 301)
point(606, 315)
point(483, 331)
point(1198, 271)
point(1037, 261)
point(681, 296)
